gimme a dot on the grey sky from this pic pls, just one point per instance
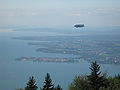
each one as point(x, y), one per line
point(53, 13)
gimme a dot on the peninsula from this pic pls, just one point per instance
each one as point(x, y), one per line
point(47, 59)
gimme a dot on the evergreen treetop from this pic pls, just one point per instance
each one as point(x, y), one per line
point(31, 85)
point(96, 79)
point(48, 83)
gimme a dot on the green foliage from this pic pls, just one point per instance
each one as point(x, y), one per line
point(117, 82)
point(114, 83)
point(79, 83)
point(96, 79)
point(48, 83)
point(31, 85)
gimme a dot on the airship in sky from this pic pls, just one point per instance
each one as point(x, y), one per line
point(79, 25)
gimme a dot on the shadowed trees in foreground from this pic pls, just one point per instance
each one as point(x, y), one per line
point(31, 85)
point(96, 79)
point(93, 81)
point(90, 82)
point(48, 83)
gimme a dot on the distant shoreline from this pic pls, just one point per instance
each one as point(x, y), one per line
point(60, 60)
point(46, 59)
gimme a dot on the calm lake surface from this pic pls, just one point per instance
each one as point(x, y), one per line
point(15, 74)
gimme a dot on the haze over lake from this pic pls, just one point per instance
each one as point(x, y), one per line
point(39, 37)
point(15, 43)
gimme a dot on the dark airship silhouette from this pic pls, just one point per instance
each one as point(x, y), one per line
point(79, 25)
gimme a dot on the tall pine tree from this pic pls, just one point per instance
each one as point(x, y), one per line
point(31, 85)
point(48, 83)
point(95, 79)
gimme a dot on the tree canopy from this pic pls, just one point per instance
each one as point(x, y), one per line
point(31, 85)
point(48, 83)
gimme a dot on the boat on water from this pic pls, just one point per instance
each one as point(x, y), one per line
point(79, 25)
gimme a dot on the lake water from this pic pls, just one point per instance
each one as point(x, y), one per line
point(15, 74)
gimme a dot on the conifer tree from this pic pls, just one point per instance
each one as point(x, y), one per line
point(31, 85)
point(95, 79)
point(58, 87)
point(79, 83)
point(48, 83)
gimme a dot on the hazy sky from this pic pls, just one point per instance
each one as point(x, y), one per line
point(54, 13)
